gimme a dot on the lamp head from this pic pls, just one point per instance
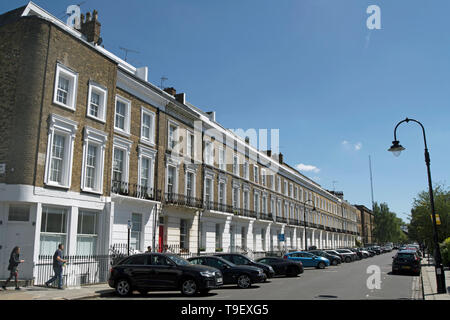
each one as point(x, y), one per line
point(396, 148)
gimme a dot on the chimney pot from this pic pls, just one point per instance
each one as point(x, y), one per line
point(171, 91)
point(90, 28)
point(269, 153)
point(280, 158)
point(247, 140)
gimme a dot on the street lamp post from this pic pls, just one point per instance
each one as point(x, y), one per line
point(129, 225)
point(396, 149)
point(304, 219)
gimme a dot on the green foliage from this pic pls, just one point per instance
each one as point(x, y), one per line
point(420, 228)
point(387, 225)
point(357, 243)
point(445, 252)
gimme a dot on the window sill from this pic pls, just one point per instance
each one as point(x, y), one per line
point(120, 131)
point(92, 191)
point(147, 142)
point(55, 185)
point(96, 119)
point(64, 105)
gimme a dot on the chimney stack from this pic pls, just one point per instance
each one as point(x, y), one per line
point(280, 158)
point(91, 27)
point(247, 140)
point(171, 91)
point(269, 153)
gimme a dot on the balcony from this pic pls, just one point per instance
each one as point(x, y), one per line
point(263, 216)
point(135, 191)
point(281, 220)
point(182, 200)
point(215, 206)
point(244, 213)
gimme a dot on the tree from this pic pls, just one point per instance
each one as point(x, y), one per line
point(387, 225)
point(420, 228)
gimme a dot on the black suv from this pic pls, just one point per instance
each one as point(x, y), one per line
point(240, 259)
point(406, 260)
point(243, 276)
point(156, 271)
point(334, 259)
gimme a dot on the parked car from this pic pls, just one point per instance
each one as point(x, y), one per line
point(243, 276)
point(240, 259)
point(335, 253)
point(359, 254)
point(370, 252)
point(376, 249)
point(308, 259)
point(334, 260)
point(283, 266)
point(349, 256)
point(406, 260)
point(365, 253)
point(156, 271)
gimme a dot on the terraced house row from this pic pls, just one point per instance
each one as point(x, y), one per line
point(89, 146)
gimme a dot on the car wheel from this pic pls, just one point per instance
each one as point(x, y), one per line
point(188, 287)
point(123, 287)
point(334, 262)
point(244, 281)
point(321, 265)
point(348, 259)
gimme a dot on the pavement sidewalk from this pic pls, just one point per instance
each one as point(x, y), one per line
point(429, 282)
point(43, 293)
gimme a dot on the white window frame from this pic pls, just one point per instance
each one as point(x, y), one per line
point(222, 157)
point(148, 140)
point(103, 93)
point(236, 186)
point(126, 122)
point(263, 177)
point(62, 70)
point(176, 135)
point(208, 176)
point(68, 128)
point(224, 200)
point(189, 171)
point(291, 190)
point(190, 146)
point(125, 145)
point(209, 153)
point(150, 154)
point(99, 139)
point(236, 166)
point(255, 173)
point(246, 170)
point(256, 202)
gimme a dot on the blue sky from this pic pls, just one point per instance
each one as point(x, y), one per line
point(310, 68)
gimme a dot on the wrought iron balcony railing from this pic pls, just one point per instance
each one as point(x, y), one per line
point(183, 200)
point(135, 191)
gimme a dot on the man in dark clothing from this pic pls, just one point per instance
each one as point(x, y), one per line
point(14, 262)
point(58, 263)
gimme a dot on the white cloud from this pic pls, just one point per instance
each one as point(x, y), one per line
point(307, 168)
point(348, 145)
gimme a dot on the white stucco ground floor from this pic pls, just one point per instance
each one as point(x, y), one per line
point(37, 220)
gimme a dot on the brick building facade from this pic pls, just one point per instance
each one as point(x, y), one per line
point(89, 145)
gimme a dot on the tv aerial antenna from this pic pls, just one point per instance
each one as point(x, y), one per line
point(128, 51)
point(163, 78)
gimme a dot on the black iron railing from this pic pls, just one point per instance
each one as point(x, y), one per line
point(264, 216)
point(281, 219)
point(135, 191)
point(244, 213)
point(79, 270)
point(215, 206)
point(183, 200)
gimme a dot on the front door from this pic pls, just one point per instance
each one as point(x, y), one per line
point(161, 239)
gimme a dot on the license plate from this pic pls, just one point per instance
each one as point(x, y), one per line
point(406, 267)
point(219, 280)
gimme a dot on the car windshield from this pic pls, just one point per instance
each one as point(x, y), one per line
point(405, 256)
point(178, 260)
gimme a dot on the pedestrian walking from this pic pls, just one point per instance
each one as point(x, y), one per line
point(58, 263)
point(14, 261)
